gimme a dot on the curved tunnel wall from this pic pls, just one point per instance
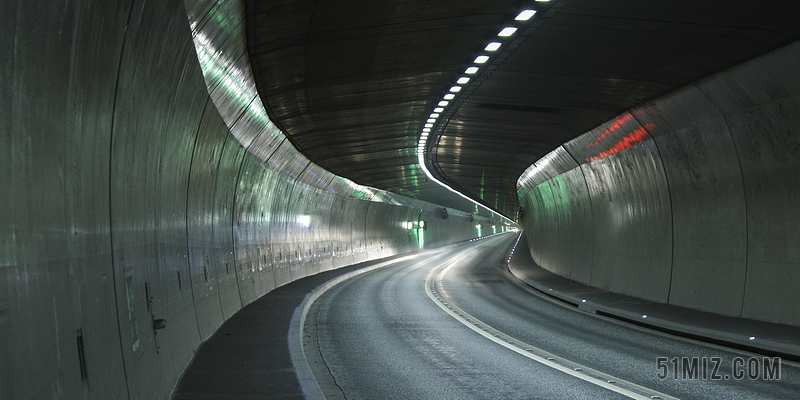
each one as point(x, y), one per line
point(692, 199)
point(127, 198)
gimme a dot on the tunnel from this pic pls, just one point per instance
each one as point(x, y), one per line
point(168, 165)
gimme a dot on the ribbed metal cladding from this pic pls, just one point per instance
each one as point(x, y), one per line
point(220, 43)
point(587, 63)
point(689, 199)
point(352, 83)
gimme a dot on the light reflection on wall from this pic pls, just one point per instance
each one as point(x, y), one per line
point(628, 140)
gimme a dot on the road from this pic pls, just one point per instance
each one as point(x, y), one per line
point(451, 323)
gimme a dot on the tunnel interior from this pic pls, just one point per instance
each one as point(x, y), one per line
point(143, 183)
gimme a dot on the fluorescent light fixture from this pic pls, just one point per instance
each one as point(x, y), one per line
point(444, 103)
point(525, 15)
point(449, 96)
point(438, 109)
point(481, 59)
point(493, 46)
point(426, 130)
point(431, 120)
point(508, 31)
point(542, 1)
point(421, 224)
point(429, 125)
point(471, 70)
point(434, 115)
point(462, 80)
point(455, 89)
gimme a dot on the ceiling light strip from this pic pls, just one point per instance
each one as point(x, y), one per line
point(522, 18)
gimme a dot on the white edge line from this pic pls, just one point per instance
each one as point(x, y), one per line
point(308, 383)
point(429, 291)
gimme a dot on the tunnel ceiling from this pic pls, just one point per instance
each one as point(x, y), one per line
point(351, 83)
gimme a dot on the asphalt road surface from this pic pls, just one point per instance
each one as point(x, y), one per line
point(451, 323)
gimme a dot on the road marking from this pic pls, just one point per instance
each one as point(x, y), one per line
point(308, 382)
point(534, 353)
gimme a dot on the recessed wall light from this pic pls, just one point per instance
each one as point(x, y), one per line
point(462, 80)
point(434, 115)
point(431, 120)
point(448, 96)
point(471, 70)
point(455, 89)
point(429, 125)
point(508, 31)
point(525, 15)
point(481, 59)
point(493, 46)
point(444, 103)
point(438, 109)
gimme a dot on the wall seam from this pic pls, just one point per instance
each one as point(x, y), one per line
point(233, 225)
point(110, 195)
point(671, 208)
point(746, 216)
point(591, 212)
point(186, 218)
point(214, 210)
point(288, 206)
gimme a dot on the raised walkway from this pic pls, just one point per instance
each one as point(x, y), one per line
point(747, 334)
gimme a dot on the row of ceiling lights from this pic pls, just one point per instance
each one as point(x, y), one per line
point(469, 74)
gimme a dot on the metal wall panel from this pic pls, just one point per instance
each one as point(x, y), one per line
point(575, 237)
point(767, 139)
point(708, 205)
point(55, 256)
point(693, 195)
point(204, 275)
point(544, 217)
point(128, 198)
point(224, 199)
point(632, 223)
point(151, 150)
point(553, 164)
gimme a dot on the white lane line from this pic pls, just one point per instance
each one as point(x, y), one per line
point(308, 383)
point(579, 371)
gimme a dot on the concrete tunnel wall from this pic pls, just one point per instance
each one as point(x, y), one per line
point(127, 198)
point(692, 199)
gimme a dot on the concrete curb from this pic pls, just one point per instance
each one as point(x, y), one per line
point(710, 335)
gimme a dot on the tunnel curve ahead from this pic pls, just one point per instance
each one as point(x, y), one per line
point(379, 335)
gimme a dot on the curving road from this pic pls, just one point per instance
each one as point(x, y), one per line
point(471, 332)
